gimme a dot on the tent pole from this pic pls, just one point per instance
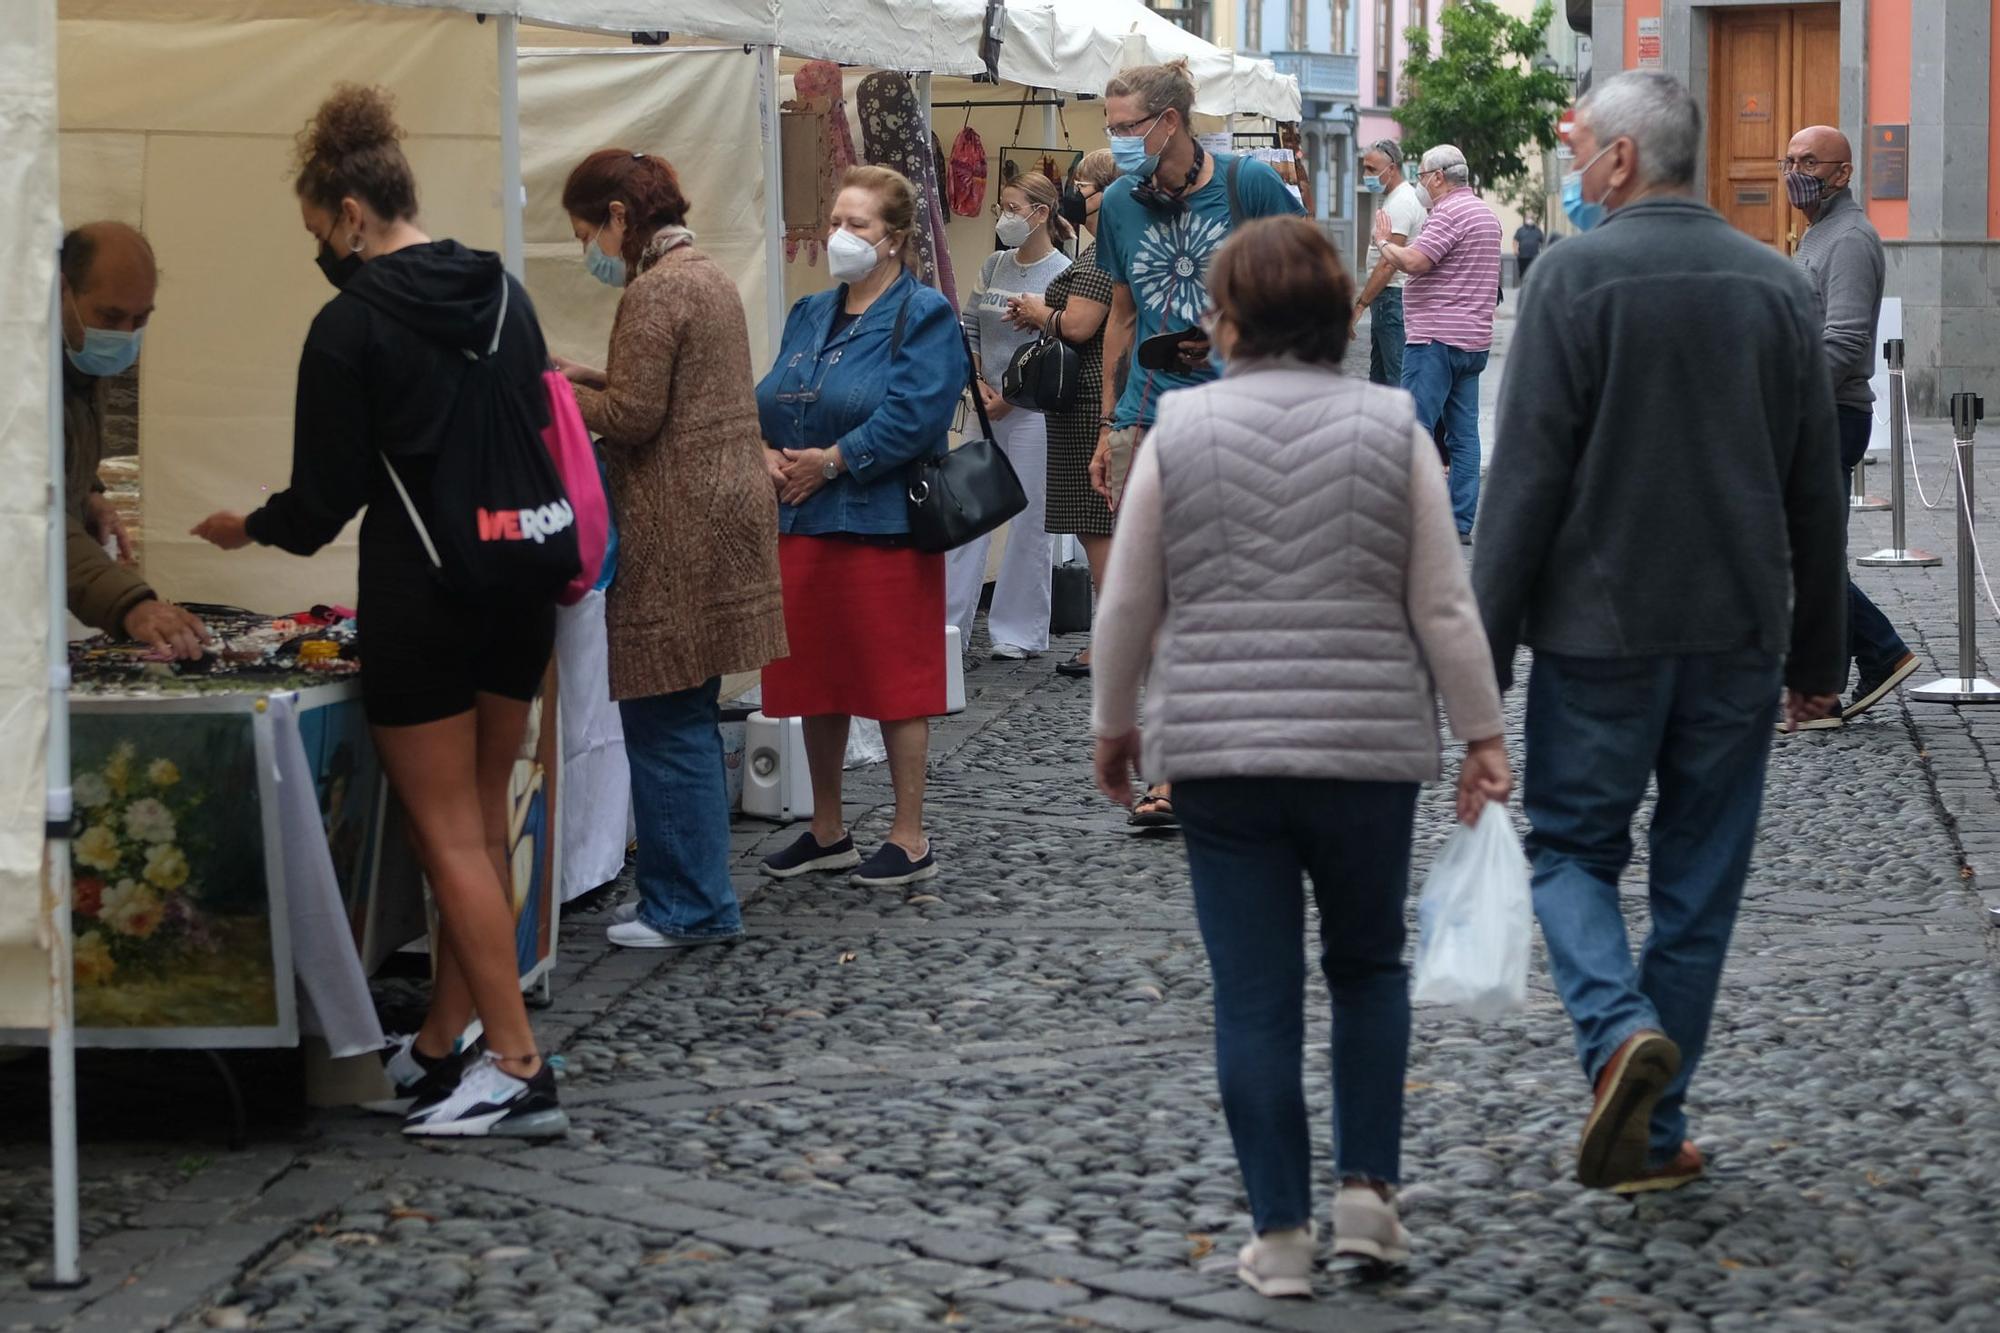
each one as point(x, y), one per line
point(513, 197)
point(768, 114)
point(63, 1272)
point(1051, 123)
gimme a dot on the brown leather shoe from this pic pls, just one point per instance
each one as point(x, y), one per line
point(1613, 1147)
point(1686, 1168)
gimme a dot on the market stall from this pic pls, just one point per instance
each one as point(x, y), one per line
point(178, 115)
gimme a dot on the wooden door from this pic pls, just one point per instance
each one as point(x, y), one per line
point(1772, 72)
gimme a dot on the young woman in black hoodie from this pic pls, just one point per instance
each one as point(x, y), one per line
point(447, 682)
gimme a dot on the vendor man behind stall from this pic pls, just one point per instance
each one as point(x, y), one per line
point(108, 282)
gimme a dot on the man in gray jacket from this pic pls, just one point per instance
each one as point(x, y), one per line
point(1842, 256)
point(1664, 526)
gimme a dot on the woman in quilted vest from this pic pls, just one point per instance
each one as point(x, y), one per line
point(1286, 558)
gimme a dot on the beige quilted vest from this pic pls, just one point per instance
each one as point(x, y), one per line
point(1287, 649)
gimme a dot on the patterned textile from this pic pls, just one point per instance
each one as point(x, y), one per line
point(894, 135)
point(821, 91)
point(1073, 507)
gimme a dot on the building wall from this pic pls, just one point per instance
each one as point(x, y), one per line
point(1933, 65)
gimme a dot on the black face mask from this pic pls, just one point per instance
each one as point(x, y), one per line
point(1075, 208)
point(339, 269)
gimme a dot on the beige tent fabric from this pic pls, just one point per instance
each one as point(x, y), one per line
point(29, 232)
point(643, 99)
point(179, 116)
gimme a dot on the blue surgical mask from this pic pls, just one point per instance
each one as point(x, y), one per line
point(105, 352)
point(1129, 152)
point(607, 269)
point(1372, 184)
point(1582, 213)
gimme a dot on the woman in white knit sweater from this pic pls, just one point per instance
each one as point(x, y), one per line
point(1286, 559)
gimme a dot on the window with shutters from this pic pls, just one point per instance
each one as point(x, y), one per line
point(1385, 50)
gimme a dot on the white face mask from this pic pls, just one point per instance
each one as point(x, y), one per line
point(849, 258)
point(1013, 230)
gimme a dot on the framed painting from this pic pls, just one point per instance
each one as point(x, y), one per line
point(177, 911)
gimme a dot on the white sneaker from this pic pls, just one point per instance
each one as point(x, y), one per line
point(1007, 652)
point(1365, 1226)
point(489, 1101)
point(1279, 1263)
point(412, 1076)
point(637, 934)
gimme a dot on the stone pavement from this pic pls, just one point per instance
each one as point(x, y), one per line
point(989, 1103)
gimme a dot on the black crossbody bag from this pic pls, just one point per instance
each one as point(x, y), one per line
point(972, 489)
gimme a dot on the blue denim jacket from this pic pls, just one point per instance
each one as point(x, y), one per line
point(883, 415)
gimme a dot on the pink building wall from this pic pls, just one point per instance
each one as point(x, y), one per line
point(1376, 123)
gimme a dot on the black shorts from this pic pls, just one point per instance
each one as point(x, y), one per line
point(425, 654)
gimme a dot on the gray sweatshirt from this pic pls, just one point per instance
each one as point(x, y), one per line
point(1666, 476)
point(1842, 256)
point(1001, 277)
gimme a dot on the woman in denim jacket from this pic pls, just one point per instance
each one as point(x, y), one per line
point(867, 380)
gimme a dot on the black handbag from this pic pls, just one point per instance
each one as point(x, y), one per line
point(967, 493)
point(1043, 376)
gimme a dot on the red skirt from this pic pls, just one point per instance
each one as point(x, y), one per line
point(866, 628)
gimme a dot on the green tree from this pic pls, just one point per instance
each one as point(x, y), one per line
point(1482, 91)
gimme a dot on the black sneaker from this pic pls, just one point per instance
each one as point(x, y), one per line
point(1873, 690)
point(892, 866)
point(806, 855)
point(490, 1102)
point(415, 1077)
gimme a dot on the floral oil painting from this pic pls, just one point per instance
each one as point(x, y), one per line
point(172, 907)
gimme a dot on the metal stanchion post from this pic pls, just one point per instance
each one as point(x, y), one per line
point(1968, 687)
point(1859, 501)
point(1897, 555)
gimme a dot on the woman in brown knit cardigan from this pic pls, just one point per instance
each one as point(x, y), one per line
point(697, 594)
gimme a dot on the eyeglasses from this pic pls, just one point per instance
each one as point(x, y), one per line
point(1000, 212)
point(1133, 127)
point(1806, 163)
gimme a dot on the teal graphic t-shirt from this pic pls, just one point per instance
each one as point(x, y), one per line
point(1163, 258)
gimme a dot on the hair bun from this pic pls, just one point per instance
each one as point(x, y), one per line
point(353, 120)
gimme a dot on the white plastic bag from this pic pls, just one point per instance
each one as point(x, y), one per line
point(1474, 921)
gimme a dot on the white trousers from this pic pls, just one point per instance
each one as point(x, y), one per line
point(1020, 612)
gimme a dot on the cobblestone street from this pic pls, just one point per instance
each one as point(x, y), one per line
point(991, 1104)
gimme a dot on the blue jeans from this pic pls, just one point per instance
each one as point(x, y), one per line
point(674, 746)
point(1872, 642)
point(1597, 728)
point(1385, 337)
point(1248, 843)
point(1444, 381)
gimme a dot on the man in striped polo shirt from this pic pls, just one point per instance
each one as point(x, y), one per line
point(1454, 268)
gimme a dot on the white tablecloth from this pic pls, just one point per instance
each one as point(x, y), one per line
point(596, 784)
point(333, 991)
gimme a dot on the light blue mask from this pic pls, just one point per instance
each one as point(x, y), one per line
point(1582, 213)
point(1128, 151)
point(607, 269)
point(106, 351)
point(1372, 184)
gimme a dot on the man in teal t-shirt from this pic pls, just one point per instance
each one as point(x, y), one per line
point(1162, 221)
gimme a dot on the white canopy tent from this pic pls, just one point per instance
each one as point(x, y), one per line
point(1075, 46)
point(466, 135)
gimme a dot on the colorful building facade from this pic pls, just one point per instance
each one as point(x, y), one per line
point(1916, 86)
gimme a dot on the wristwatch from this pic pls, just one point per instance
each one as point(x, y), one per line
point(830, 469)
